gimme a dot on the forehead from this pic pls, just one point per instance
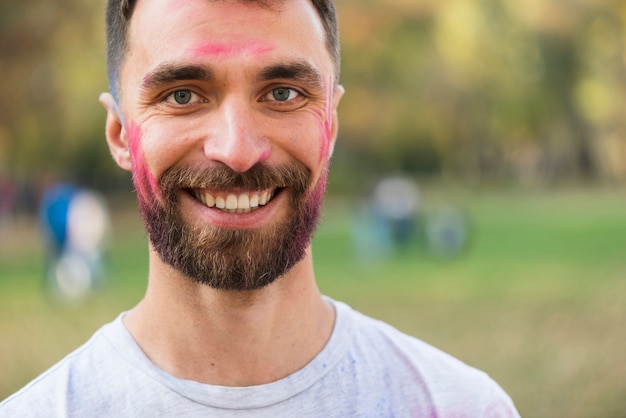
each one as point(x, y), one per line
point(169, 30)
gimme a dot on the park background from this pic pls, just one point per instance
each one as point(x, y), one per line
point(509, 111)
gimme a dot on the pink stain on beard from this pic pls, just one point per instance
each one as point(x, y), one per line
point(253, 48)
point(145, 183)
point(310, 212)
point(317, 195)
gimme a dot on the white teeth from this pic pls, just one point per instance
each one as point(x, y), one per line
point(242, 203)
point(209, 200)
point(231, 202)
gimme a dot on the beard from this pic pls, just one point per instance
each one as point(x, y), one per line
point(230, 258)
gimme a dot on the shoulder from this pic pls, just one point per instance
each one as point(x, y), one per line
point(408, 368)
point(381, 340)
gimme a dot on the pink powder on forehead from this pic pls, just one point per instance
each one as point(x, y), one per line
point(228, 49)
point(144, 181)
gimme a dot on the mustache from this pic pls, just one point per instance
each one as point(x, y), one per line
point(220, 177)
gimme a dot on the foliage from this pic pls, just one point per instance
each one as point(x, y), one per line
point(52, 63)
point(498, 89)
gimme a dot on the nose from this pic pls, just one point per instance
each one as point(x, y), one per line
point(236, 136)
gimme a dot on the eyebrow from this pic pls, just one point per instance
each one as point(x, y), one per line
point(298, 71)
point(168, 73)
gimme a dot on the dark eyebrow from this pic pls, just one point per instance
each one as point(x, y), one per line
point(299, 71)
point(168, 73)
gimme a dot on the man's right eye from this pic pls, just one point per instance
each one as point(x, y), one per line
point(182, 97)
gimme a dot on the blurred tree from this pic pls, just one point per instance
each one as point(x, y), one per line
point(52, 62)
point(500, 89)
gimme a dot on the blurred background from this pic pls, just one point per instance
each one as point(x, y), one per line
point(476, 199)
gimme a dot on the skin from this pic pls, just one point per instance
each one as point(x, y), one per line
point(228, 338)
point(147, 184)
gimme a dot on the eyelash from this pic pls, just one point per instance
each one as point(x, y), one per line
point(269, 95)
point(195, 97)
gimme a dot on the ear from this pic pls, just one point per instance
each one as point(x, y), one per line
point(339, 92)
point(115, 132)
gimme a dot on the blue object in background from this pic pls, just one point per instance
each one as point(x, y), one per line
point(53, 215)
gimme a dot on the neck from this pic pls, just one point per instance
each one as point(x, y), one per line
point(231, 338)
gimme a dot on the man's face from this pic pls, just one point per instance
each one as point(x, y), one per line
point(229, 123)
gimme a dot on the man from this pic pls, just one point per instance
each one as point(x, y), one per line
point(225, 112)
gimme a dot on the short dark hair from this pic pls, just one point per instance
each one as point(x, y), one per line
point(119, 12)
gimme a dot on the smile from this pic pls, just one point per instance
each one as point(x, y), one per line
point(235, 202)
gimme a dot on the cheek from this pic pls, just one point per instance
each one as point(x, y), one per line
point(324, 123)
point(312, 143)
point(324, 135)
point(144, 181)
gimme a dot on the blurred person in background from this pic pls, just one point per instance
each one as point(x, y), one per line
point(225, 112)
point(387, 220)
point(75, 226)
point(397, 205)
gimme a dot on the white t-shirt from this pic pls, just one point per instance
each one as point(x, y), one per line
point(367, 369)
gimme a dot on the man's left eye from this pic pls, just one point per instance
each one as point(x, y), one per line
point(282, 94)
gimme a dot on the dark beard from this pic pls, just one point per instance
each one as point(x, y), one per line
point(234, 259)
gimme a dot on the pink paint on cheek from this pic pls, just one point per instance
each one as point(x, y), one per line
point(253, 48)
point(326, 122)
point(144, 181)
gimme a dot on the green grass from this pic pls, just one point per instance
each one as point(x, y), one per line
point(537, 301)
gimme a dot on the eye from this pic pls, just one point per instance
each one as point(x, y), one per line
point(282, 94)
point(182, 97)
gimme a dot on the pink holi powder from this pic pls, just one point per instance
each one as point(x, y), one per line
point(221, 49)
point(310, 212)
point(144, 181)
point(325, 124)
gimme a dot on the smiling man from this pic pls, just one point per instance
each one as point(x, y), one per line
point(225, 112)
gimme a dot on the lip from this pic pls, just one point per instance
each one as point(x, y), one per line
point(199, 213)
